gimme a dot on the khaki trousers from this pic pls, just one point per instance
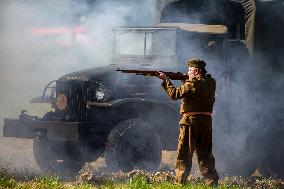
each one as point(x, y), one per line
point(195, 134)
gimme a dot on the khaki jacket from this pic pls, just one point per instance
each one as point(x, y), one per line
point(197, 94)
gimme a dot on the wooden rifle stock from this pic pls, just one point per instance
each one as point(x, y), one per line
point(170, 75)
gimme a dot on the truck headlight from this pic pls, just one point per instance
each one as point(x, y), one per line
point(102, 95)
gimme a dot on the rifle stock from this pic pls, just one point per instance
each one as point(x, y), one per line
point(170, 75)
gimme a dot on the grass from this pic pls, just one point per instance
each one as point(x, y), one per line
point(6, 181)
point(135, 182)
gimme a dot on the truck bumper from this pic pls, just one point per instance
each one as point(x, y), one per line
point(53, 130)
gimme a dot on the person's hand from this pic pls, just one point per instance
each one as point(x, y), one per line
point(162, 76)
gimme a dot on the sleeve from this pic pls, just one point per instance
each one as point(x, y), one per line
point(178, 93)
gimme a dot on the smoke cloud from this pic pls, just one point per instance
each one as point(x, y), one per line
point(42, 40)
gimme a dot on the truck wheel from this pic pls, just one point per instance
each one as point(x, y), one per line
point(133, 143)
point(63, 158)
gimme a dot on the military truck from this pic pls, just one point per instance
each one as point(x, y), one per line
point(126, 118)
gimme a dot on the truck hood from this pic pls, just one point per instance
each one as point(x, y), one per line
point(96, 73)
point(104, 73)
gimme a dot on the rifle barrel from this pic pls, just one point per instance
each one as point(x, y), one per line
point(171, 75)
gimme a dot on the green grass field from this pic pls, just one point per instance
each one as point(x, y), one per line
point(137, 181)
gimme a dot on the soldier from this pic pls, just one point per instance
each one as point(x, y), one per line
point(197, 95)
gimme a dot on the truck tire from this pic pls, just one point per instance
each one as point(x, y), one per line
point(133, 143)
point(63, 158)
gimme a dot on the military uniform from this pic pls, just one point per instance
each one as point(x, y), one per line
point(197, 98)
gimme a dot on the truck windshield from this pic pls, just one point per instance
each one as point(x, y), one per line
point(139, 42)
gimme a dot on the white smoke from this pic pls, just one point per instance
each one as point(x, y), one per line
point(29, 60)
point(30, 57)
point(43, 40)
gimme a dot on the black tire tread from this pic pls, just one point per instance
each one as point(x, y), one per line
point(117, 134)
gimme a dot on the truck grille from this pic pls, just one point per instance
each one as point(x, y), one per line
point(76, 94)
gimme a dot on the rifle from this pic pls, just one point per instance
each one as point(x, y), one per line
point(170, 75)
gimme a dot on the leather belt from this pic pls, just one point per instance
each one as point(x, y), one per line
point(196, 113)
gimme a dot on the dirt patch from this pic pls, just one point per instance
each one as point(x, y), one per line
point(17, 156)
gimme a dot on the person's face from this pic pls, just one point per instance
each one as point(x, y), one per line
point(191, 72)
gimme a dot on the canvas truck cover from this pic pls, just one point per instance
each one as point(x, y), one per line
point(200, 28)
point(245, 10)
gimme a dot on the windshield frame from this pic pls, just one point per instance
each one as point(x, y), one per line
point(145, 30)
